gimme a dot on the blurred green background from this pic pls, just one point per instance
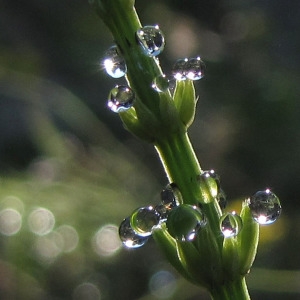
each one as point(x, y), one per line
point(69, 172)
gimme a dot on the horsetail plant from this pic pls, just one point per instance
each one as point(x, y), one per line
point(207, 246)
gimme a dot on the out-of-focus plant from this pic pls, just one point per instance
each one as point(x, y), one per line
point(207, 246)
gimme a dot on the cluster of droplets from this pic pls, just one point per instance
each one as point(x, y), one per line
point(188, 68)
point(152, 42)
point(184, 221)
point(135, 230)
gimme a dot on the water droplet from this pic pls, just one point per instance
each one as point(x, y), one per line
point(114, 63)
point(163, 212)
point(265, 207)
point(185, 221)
point(170, 196)
point(120, 98)
point(169, 199)
point(211, 181)
point(151, 39)
point(143, 219)
point(188, 68)
point(194, 68)
point(230, 224)
point(160, 83)
point(178, 69)
point(128, 236)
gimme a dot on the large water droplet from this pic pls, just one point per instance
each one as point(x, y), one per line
point(194, 68)
point(265, 207)
point(128, 236)
point(185, 221)
point(143, 219)
point(230, 224)
point(120, 98)
point(178, 70)
point(151, 39)
point(114, 63)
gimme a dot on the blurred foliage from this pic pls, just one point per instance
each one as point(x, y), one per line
point(64, 153)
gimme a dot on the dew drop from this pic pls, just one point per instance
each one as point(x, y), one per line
point(185, 221)
point(195, 68)
point(143, 219)
point(120, 98)
point(128, 236)
point(178, 70)
point(151, 40)
point(169, 199)
point(265, 207)
point(160, 83)
point(163, 212)
point(211, 182)
point(188, 68)
point(170, 196)
point(114, 63)
point(230, 224)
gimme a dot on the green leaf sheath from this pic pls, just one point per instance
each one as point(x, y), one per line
point(231, 290)
point(247, 240)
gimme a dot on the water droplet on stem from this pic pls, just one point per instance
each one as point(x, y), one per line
point(188, 68)
point(114, 63)
point(143, 219)
point(151, 40)
point(265, 207)
point(230, 224)
point(120, 98)
point(185, 221)
point(128, 236)
point(160, 83)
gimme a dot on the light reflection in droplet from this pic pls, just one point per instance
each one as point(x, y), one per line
point(162, 284)
point(70, 237)
point(48, 247)
point(86, 291)
point(106, 241)
point(41, 221)
point(10, 221)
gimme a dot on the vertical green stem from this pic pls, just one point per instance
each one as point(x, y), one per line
point(232, 290)
point(181, 165)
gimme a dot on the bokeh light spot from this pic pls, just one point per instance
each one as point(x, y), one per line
point(162, 284)
point(70, 237)
point(48, 247)
point(10, 221)
point(41, 221)
point(106, 241)
point(86, 291)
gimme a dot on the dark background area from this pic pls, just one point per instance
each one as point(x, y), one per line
point(63, 150)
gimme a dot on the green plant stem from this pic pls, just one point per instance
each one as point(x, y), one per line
point(169, 136)
point(181, 165)
point(232, 290)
